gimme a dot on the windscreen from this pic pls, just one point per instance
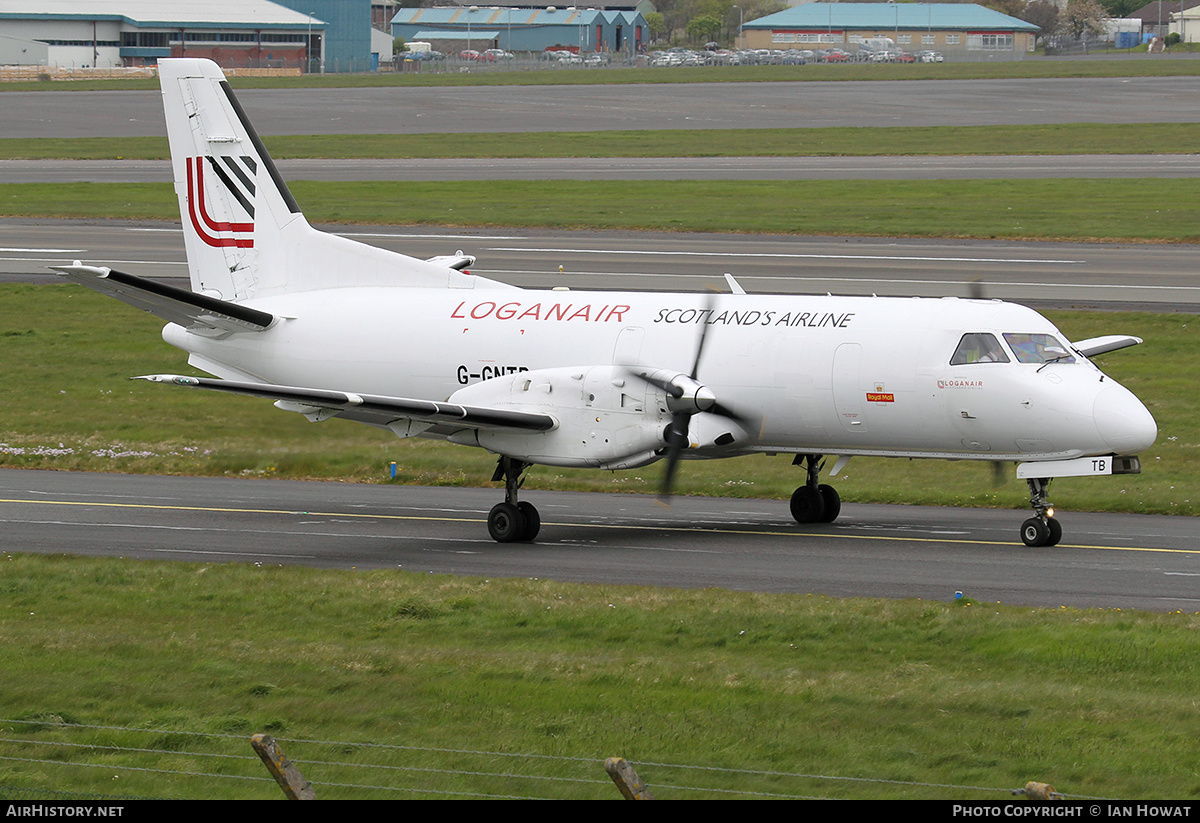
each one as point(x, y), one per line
point(978, 347)
point(1037, 348)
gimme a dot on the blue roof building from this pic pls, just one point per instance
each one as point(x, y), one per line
point(530, 30)
point(128, 33)
point(962, 29)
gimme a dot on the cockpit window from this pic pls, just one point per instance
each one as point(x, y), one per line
point(1038, 348)
point(978, 347)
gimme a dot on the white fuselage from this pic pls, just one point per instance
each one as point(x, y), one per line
point(834, 375)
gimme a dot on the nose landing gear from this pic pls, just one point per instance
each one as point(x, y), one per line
point(1041, 529)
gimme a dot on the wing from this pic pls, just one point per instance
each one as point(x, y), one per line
point(321, 404)
point(198, 313)
point(1103, 345)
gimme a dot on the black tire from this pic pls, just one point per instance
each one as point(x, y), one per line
point(505, 523)
point(1055, 531)
point(832, 501)
point(808, 505)
point(1035, 532)
point(533, 521)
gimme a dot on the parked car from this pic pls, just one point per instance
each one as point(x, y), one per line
point(929, 57)
point(563, 56)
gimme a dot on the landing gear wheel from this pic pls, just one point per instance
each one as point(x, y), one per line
point(1035, 533)
point(1055, 531)
point(533, 521)
point(1041, 529)
point(808, 505)
point(506, 523)
point(832, 501)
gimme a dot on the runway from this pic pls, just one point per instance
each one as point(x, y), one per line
point(809, 104)
point(1006, 167)
point(1082, 275)
point(1105, 560)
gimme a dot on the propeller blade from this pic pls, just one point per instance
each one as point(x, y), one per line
point(676, 436)
point(999, 477)
point(677, 432)
point(709, 301)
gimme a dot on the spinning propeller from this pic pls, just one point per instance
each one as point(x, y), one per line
point(686, 396)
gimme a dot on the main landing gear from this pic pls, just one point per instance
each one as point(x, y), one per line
point(511, 521)
point(1041, 529)
point(814, 502)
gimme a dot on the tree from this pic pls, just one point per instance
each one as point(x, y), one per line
point(676, 14)
point(1084, 17)
point(703, 28)
point(1121, 8)
point(1043, 14)
point(1013, 8)
point(654, 21)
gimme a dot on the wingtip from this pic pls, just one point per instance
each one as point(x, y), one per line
point(177, 379)
point(78, 267)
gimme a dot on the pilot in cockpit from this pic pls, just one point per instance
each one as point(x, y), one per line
point(978, 347)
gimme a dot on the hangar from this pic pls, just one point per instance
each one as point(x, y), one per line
point(967, 31)
point(524, 29)
point(124, 33)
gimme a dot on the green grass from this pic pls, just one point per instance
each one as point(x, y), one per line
point(949, 700)
point(1075, 138)
point(66, 354)
point(1133, 65)
point(1071, 209)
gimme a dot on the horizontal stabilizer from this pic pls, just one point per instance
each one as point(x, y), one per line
point(375, 407)
point(457, 261)
point(197, 313)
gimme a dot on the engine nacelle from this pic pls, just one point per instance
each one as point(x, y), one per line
point(606, 418)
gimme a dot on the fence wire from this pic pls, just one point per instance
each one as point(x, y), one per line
point(210, 764)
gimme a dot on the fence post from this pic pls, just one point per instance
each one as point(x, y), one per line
point(286, 775)
point(626, 778)
point(1039, 791)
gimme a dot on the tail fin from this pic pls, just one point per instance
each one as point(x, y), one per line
point(244, 232)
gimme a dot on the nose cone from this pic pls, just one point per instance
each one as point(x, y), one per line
point(1124, 423)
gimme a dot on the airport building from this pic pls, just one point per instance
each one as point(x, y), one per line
point(347, 34)
point(962, 29)
point(332, 35)
point(1186, 24)
point(451, 30)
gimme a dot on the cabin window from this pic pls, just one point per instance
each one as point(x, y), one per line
point(978, 347)
point(1038, 348)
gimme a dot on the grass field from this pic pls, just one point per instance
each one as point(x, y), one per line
point(1074, 138)
point(451, 679)
point(1129, 65)
point(1071, 209)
